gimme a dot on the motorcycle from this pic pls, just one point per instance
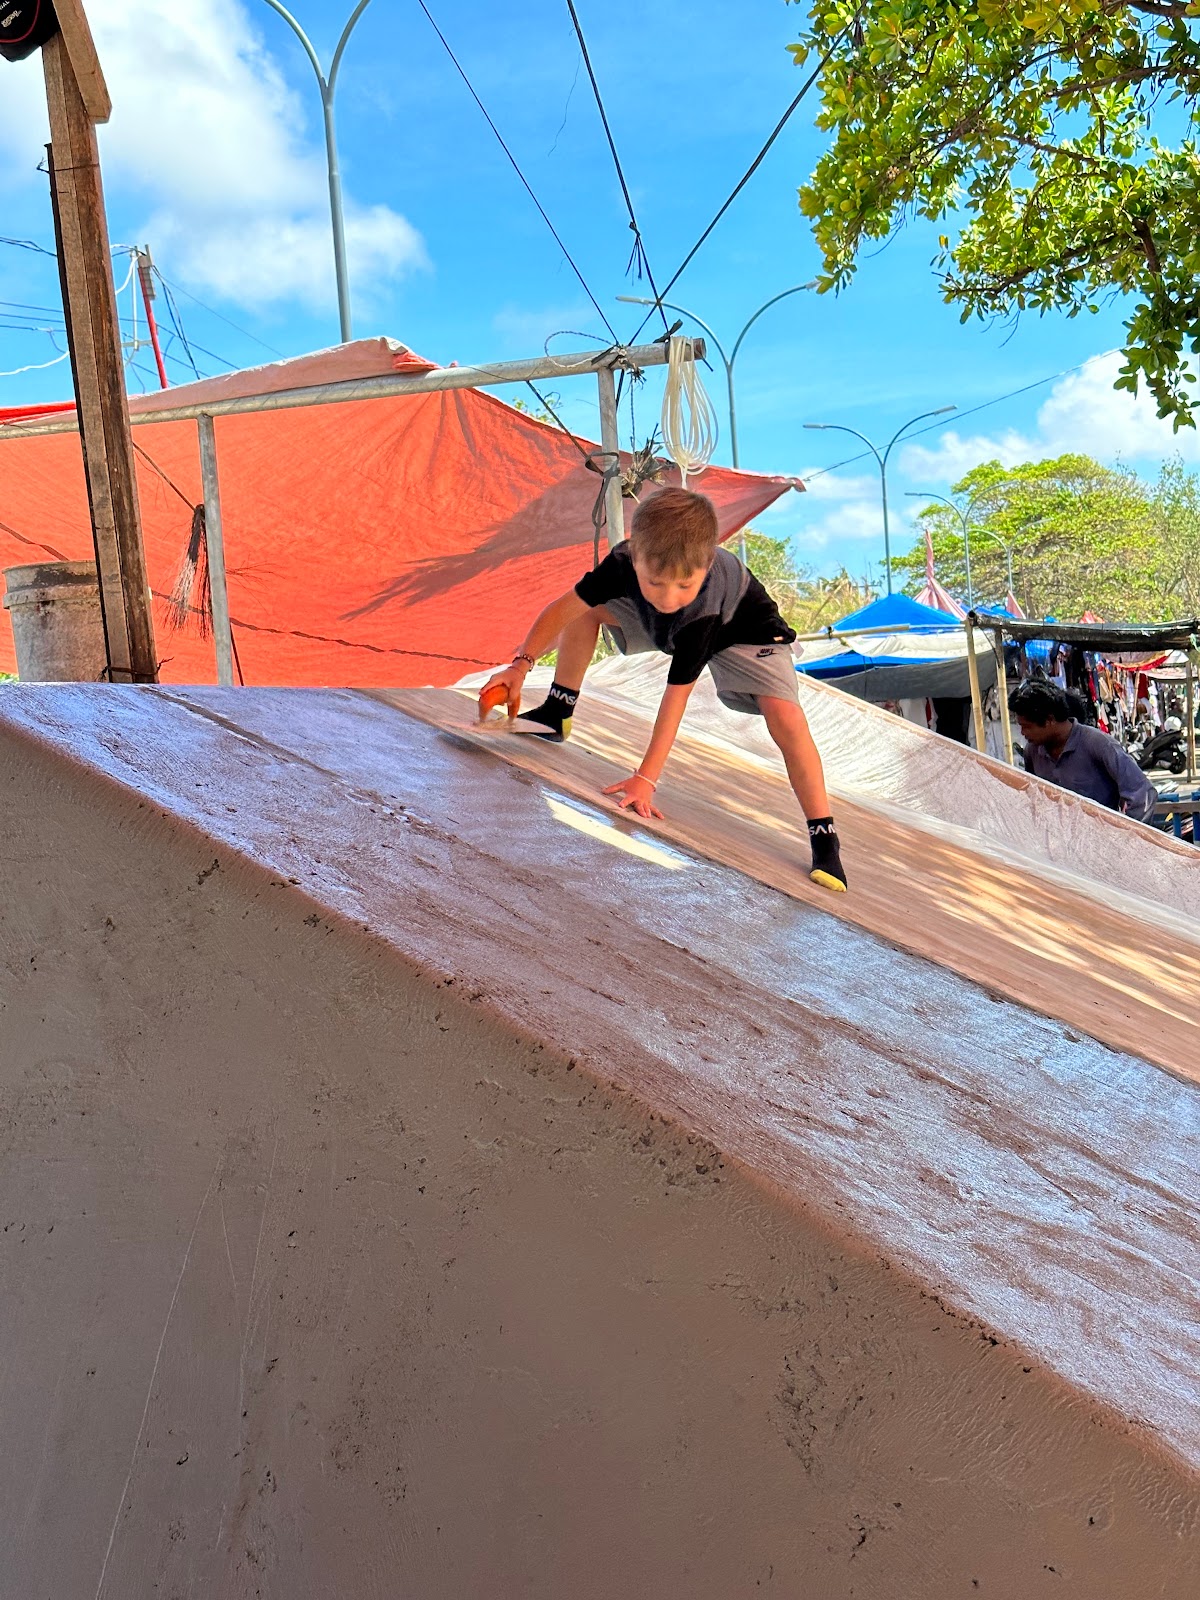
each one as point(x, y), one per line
point(1166, 748)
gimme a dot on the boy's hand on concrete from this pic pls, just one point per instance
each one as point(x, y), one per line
point(636, 794)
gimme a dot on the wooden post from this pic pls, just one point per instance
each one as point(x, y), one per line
point(214, 538)
point(93, 333)
point(976, 696)
point(614, 509)
point(1002, 693)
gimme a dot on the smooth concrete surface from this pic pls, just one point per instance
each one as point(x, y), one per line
point(879, 760)
point(416, 1185)
point(1124, 968)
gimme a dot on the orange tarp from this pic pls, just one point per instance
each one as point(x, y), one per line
point(392, 542)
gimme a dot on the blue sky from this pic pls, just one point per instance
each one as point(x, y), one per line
point(214, 159)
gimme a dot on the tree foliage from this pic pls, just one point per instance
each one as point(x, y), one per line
point(1082, 536)
point(1054, 140)
point(805, 601)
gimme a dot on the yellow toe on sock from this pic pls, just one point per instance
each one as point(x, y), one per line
point(828, 881)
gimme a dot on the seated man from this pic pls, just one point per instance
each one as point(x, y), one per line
point(1077, 757)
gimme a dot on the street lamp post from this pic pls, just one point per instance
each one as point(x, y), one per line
point(838, 427)
point(964, 518)
point(728, 360)
point(328, 85)
point(1007, 548)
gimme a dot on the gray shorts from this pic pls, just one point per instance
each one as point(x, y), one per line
point(741, 673)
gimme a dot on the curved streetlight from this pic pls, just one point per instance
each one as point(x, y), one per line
point(838, 427)
point(328, 85)
point(964, 518)
point(731, 358)
point(1008, 550)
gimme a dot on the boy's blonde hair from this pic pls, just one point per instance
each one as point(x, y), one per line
point(675, 532)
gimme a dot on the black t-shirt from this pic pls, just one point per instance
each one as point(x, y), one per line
point(731, 608)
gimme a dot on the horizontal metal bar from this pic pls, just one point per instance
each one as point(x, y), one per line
point(385, 387)
point(835, 633)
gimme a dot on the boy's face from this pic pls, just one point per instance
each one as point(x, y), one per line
point(668, 591)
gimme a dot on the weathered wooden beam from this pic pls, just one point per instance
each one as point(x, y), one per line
point(89, 75)
point(89, 300)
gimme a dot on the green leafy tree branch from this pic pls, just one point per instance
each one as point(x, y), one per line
point(1035, 131)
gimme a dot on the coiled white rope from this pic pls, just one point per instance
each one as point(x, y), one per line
point(689, 427)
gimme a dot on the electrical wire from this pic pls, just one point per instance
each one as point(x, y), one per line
point(750, 171)
point(177, 322)
point(29, 244)
point(237, 327)
point(517, 169)
point(1013, 394)
point(639, 258)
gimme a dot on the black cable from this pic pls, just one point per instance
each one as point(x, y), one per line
point(591, 460)
point(176, 321)
point(237, 660)
point(236, 326)
point(546, 406)
point(28, 244)
point(516, 168)
point(1012, 394)
point(750, 171)
point(639, 255)
point(150, 461)
point(212, 354)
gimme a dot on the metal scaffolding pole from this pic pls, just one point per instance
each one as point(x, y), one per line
point(389, 386)
point(214, 539)
point(614, 510)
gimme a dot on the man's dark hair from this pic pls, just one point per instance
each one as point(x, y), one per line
point(1040, 702)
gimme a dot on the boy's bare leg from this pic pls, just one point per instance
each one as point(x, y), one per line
point(576, 647)
point(788, 726)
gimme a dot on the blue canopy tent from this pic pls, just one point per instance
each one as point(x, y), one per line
point(897, 649)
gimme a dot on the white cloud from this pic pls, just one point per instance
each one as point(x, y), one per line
point(838, 521)
point(1085, 413)
point(822, 485)
point(1082, 413)
point(207, 135)
point(954, 454)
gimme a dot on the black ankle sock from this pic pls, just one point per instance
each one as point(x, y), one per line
point(555, 709)
point(826, 851)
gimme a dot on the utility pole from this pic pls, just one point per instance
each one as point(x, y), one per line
point(77, 98)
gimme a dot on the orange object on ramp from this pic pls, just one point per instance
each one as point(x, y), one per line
point(391, 542)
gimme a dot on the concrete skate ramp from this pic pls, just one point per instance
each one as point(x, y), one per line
point(880, 760)
point(415, 1184)
point(988, 901)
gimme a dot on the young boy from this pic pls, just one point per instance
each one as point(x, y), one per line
point(671, 587)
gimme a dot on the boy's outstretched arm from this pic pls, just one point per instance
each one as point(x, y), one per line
point(547, 626)
point(637, 792)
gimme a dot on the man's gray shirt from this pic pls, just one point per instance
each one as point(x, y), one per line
point(1093, 764)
